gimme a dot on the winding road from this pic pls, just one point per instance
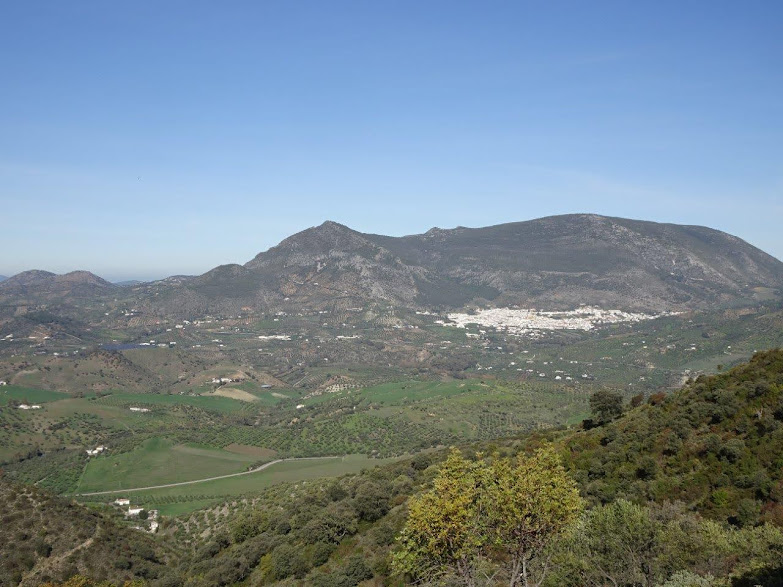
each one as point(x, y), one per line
point(256, 470)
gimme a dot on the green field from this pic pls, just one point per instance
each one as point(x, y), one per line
point(187, 498)
point(150, 400)
point(159, 461)
point(394, 393)
point(30, 395)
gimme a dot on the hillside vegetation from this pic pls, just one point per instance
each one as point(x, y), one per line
point(47, 538)
point(682, 490)
point(716, 445)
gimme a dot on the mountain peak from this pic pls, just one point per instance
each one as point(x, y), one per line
point(82, 277)
point(316, 240)
point(332, 225)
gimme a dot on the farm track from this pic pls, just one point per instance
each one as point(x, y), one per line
point(256, 470)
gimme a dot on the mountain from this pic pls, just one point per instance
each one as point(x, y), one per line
point(557, 262)
point(3, 278)
point(581, 258)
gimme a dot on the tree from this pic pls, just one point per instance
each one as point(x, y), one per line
point(443, 534)
point(371, 501)
point(606, 405)
point(529, 500)
point(502, 509)
point(286, 561)
point(331, 524)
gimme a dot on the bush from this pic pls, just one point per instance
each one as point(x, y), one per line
point(371, 501)
point(286, 561)
point(320, 553)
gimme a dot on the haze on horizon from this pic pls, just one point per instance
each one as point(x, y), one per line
point(146, 140)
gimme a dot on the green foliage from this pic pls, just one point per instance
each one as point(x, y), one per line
point(444, 533)
point(689, 579)
point(716, 445)
point(606, 405)
point(286, 561)
point(529, 501)
point(372, 500)
point(48, 538)
point(626, 544)
point(502, 508)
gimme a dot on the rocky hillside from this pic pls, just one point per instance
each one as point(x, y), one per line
point(557, 262)
point(567, 260)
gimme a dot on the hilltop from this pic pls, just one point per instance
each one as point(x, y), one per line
point(38, 285)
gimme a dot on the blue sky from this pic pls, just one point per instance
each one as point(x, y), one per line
point(144, 139)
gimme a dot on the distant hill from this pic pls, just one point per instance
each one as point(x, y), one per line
point(558, 262)
point(3, 278)
point(128, 283)
point(37, 284)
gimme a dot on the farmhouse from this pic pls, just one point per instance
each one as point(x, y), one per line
point(122, 501)
point(29, 407)
point(139, 409)
point(96, 451)
point(133, 512)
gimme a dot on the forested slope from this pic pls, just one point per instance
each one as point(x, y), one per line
point(716, 445)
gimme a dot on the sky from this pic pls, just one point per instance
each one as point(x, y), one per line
point(150, 138)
